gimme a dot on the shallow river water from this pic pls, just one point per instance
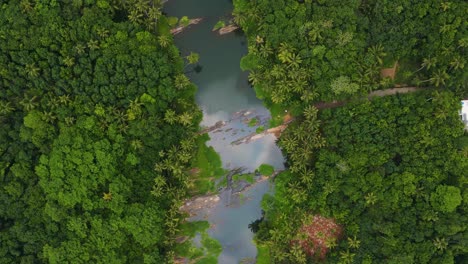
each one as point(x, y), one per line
point(224, 94)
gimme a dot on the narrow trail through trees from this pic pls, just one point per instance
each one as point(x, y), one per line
point(324, 105)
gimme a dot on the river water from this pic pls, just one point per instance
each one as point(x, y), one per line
point(224, 94)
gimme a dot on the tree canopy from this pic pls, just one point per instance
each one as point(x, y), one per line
point(388, 171)
point(86, 91)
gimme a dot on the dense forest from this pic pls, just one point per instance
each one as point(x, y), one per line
point(373, 181)
point(97, 127)
point(99, 131)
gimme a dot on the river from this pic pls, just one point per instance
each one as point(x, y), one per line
point(224, 94)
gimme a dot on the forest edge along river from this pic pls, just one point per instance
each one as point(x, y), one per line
point(229, 105)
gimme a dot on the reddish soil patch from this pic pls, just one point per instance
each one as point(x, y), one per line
point(318, 235)
point(287, 118)
point(389, 72)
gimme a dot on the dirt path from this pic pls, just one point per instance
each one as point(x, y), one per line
point(393, 91)
point(378, 93)
point(324, 105)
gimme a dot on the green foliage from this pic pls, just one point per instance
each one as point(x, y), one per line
point(253, 122)
point(260, 129)
point(248, 177)
point(390, 174)
point(446, 198)
point(263, 255)
point(220, 24)
point(266, 169)
point(208, 164)
point(184, 21)
point(85, 90)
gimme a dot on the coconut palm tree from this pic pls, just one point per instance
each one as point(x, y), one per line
point(370, 198)
point(254, 77)
point(26, 6)
point(347, 257)
point(353, 242)
point(440, 243)
point(32, 70)
point(69, 120)
point(457, 63)
point(93, 44)
point(80, 48)
point(181, 81)
point(29, 103)
point(193, 58)
point(439, 78)
point(69, 61)
point(185, 119)
point(135, 17)
point(377, 51)
point(5, 108)
point(170, 116)
point(48, 117)
point(102, 32)
point(164, 41)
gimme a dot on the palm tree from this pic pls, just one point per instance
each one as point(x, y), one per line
point(440, 243)
point(254, 77)
point(26, 6)
point(295, 60)
point(32, 70)
point(102, 32)
point(164, 41)
point(136, 144)
point(377, 51)
point(181, 81)
point(265, 50)
point(29, 103)
point(288, 143)
point(64, 99)
point(239, 17)
point(69, 61)
point(353, 242)
point(135, 17)
point(462, 43)
point(48, 117)
point(185, 119)
point(310, 112)
point(427, 63)
point(93, 44)
point(170, 116)
point(5, 108)
point(298, 254)
point(193, 58)
point(308, 95)
point(370, 198)
point(346, 257)
point(69, 120)
point(439, 78)
point(277, 96)
point(278, 71)
point(120, 116)
point(80, 48)
point(457, 63)
point(154, 13)
point(315, 34)
point(107, 196)
point(445, 6)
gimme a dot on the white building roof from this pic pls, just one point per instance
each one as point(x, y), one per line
point(464, 112)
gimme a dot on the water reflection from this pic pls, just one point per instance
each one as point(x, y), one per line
point(225, 95)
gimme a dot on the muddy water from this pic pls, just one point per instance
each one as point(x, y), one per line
point(224, 94)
